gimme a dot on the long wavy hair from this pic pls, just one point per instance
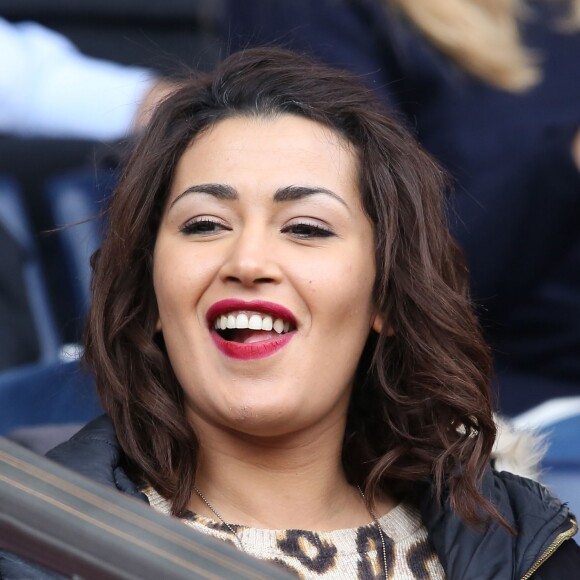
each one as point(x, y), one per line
point(420, 409)
point(483, 36)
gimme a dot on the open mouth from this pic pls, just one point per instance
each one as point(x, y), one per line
point(251, 327)
point(250, 330)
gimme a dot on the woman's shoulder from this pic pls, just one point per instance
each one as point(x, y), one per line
point(542, 521)
point(545, 529)
point(95, 453)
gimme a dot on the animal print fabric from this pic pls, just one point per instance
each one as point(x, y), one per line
point(341, 554)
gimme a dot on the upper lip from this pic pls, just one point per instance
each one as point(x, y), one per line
point(233, 304)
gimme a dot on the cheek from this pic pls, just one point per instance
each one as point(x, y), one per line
point(344, 281)
point(180, 277)
point(339, 297)
point(176, 257)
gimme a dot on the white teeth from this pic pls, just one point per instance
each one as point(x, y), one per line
point(255, 322)
point(242, 321)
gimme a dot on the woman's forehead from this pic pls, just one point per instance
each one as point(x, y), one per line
point(267, 153)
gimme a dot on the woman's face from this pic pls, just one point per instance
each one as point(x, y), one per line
point(263, 273)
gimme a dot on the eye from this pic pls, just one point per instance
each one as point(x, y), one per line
point(203, 226)
point(305, 230)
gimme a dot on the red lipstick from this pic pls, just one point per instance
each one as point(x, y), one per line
point(272, 342)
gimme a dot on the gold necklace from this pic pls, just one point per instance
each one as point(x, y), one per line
point(241, 544)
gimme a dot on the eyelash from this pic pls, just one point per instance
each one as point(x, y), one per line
point(314, 231)
point(196, 226)
point(301, 230)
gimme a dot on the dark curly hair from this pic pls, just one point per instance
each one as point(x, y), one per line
point(420, 409)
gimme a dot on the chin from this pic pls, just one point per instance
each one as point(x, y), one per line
point(266, 420)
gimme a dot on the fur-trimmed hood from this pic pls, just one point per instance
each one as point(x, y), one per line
point(519, 451)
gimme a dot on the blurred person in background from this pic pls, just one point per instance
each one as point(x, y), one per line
point(492, 89)
point(50, 89)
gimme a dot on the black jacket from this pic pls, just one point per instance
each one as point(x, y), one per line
point(544, 523)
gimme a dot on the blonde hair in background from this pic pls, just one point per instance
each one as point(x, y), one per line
point(482, 36)
point(573, 22)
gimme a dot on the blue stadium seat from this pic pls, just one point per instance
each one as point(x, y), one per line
point(564, 480)
point(77, 201)
point(559, 420)
point(42, 394)
point(562, 462)
point(14, 219)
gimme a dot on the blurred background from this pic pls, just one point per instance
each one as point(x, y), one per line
point(490, 87)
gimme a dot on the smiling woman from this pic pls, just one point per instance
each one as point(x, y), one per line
point(271, 226)
point(282, 338)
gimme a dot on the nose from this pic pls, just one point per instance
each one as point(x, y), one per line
point(251, 260)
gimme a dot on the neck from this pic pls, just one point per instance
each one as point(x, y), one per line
point(277, 483)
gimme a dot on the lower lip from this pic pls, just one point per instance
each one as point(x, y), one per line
point(254, 350)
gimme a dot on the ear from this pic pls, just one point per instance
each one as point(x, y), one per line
point(379, 324)
point(158, 327)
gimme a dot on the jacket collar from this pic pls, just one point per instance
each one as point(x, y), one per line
point(468, 554)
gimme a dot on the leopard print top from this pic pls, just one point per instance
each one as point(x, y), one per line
point(340, 554)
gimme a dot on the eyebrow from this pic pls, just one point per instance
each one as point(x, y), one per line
point(283, 194)
point(294, 192)
point(217, 190)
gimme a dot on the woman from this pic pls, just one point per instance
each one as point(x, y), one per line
point(281, 337)
point(492, 90)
